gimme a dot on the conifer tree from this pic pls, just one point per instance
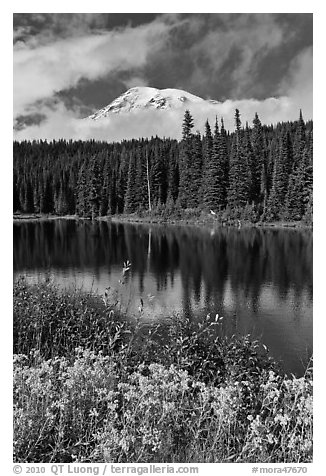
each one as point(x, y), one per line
point(282, 167)
point(173, 176)
point(239, 180)
point(214, 189)
point(130, 203)
point(60, 201)
point(293, 206)
point(123, 156)
point(158, 175)
point(254, 173)
point(121, 191)
point(105, 192)
point(256, 160)
point(308, 199)
point(195, 173)
point(28, 203)
point(16, 200)
point(207, 155)
point(112, 199)
point(308, 215)
point(71, 191)
point(82, 207)
point(299, 141)
point(95, 188)
point(141, 195)
point(224, 155)
point(300, 189)
point(207, 142)
point(46, 199)
point(36, 196)
point(299, 181)
point(307, 177)
point(186, 157)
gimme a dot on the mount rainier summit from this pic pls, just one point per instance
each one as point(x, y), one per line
point(146, 98)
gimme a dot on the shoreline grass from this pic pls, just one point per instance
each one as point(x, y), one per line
point(186, 217)
point(91, 387)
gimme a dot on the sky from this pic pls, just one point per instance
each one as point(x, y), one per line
point(66, 66)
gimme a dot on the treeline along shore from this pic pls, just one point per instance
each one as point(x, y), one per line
point(257, 173)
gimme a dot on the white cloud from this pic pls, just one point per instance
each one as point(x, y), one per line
point(42, 70)
point(62, 123)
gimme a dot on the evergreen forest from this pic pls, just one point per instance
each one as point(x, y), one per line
point(258, 173)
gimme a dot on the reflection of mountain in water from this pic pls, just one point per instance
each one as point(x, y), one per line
point(259, 279)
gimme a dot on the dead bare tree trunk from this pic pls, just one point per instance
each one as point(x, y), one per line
point(149, 249)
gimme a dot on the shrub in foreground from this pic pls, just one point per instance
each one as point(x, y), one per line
point(88, 387)
point(85, 412)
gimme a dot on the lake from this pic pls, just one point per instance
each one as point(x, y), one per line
point(259, 280)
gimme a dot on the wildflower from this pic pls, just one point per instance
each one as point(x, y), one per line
point(270, 438)
point(282, 419)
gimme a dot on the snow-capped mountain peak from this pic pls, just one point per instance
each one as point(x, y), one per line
point(141, 98)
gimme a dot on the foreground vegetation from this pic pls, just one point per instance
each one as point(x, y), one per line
point(91, 387)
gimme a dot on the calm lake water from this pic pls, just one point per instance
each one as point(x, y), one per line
point(259, 280)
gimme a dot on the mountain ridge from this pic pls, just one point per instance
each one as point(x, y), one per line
point(144, 97)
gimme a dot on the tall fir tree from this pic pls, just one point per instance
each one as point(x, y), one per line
point(46, 199)
point(28, 202)
point(296, 194)
point(60, 201)
point(16, 199)
point(130, 203)
point(299, 143)
point(141, 199)
point(105, 189)
point(257, 160)
point(282, 167)
point(112, 199)
point(309, 196)
point(239, 175)
point(207, 155)
point(173, 175)
point(254, 175)
point(214, 178)
point(95, 183)
point(82, 205)
point(224, 154)
point(185, 160)
point(158, 175)
point(195, 173)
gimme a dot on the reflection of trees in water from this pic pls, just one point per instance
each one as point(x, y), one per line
point(247, 259)
point(190, 268)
